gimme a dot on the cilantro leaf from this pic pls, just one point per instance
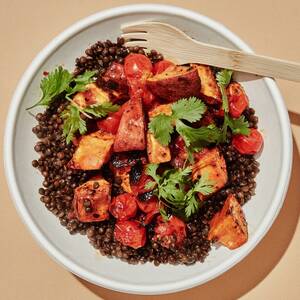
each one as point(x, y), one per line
point(206, 135)
point(164, 214)
point(72, 123)
point(190, 109)
point(151, 171)
point(101, 110)
point(224, 77)
point(239, 126)
point(161, 127)
point(53, 85)
point(204, 186)
point(80, 82)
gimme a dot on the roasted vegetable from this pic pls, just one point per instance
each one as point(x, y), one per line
point(229, 226)
point(92, 200)
point(157, 153)
point(131, 131)
point(93, 151)
point(92, 95)
point(169, 233)
point(175, 82)
point(123, 207)
point(237, 98)
point(210, 91)
point(130, 233)
point(211, 162)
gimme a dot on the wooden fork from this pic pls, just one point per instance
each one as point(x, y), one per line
point(175, 44)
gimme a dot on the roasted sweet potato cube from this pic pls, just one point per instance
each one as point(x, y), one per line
point(131, 132)
point(210, 91)
point(92, 200)
point(157, 153)
point(160, 109)
point(211, 162)
point(229, 226)
point(92, 95)
point(175, 82)
point(93, 151)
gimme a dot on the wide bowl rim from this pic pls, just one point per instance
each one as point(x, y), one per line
point(25, 214)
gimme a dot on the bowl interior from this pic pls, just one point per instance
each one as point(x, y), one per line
point(75, 251)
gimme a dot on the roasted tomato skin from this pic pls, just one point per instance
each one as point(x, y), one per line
point(250, 144)
point(238, 100)
point(170, 232)
point(116, 74)
point(139, 186)
point(111, 123)
point(149, 204)
point(161, 66)
point(123, 207)
point(130, 233)
point(137, 66)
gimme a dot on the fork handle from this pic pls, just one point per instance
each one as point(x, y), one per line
point(244, 62)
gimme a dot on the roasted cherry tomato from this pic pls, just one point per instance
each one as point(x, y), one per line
point(170, 233)
point(161, 66)
point(130, 233)
point(250, 144)
point(139, 186)
point(147, 203)
point(238, 100)
point(116, 74)
point(111, 123)
point(137, 66)
point(123, 207)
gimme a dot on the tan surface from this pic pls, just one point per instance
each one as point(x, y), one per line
point(271, 271)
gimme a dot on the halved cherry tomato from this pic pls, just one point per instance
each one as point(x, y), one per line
point(250, 144)
point(137, 66)
point(130, 233)
point(169, 232)
point(238, 100)
point(161, 66)
point(123, 207)
point(148, 204)
point(111, 123)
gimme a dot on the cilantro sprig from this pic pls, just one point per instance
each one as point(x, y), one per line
point(190, 110)
point(61, 81)
point(74, 122)
point(170, 187)
point(239, 125)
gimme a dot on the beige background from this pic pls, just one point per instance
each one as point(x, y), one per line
point(271, 271)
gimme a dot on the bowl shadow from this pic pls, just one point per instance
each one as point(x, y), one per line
point(245, 274)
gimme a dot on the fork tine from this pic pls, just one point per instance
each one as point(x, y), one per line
point(133, 27)
point(143, 44)
point(134, 36)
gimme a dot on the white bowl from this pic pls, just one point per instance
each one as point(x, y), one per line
point(74, 252)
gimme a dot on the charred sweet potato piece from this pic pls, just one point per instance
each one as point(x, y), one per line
point(229, 226)
point(175, 82)
point(92, 95)
point(210, 91)
point(92, 200)
point(157, 153)
point(131, 132)
point(93, 151)
point(211, 162)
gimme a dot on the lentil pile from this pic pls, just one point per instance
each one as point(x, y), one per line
point(59, 181)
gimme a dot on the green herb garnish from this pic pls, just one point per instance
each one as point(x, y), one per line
point(61, 81)
point(170, 187)
point(237, 126)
